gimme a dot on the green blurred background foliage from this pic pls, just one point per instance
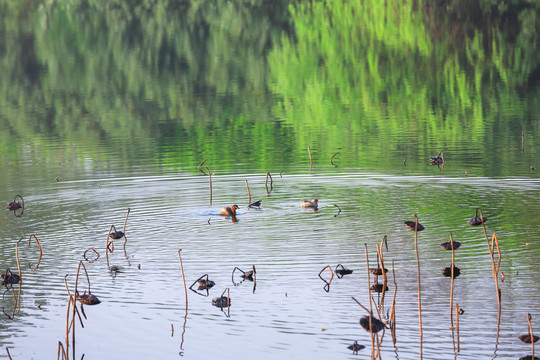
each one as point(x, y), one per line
point(255, 82)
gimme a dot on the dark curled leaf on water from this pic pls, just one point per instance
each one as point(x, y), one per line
point(376, 324)
point(378, 288)
point(447, 271)
point(88, 299)
point(527, 338)
point(410, 225)
point(448, 245)
point(340, 271)
point(355, 347)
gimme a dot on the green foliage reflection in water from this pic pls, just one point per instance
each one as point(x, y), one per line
point(368, 68)
point(177, 81)
point(139, 76)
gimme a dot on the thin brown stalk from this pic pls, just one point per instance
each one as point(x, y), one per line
point(310, 160)
point(124, 228)
point(249, 193)
point(384, 241)
point(494, 268)
point(40, 251)
point(419, 285)
point(268, 176)
point(125, 221)
point(370, 303)
point(109, 243)
point(183, 332)
point(210, 179)
point(332, 159)
point(531, 334)
point(67, 320)
point(201, 165)
point(228, 302)
point(362, 306)
point(458, 311)
point(9, 355)
point(368, 278)
point(183, 277)
point(77, 278)
point(381, 262)
point(393, 312)
point(20, 276)
point(172, 330)
point(64, 354)
point(452, 285)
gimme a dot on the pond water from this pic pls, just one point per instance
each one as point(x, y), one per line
point(113, 107)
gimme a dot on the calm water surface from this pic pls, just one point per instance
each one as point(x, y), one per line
point(288, 312)
point(106, 106)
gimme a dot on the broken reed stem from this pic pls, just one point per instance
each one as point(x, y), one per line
point(457, 325)
point(67, 321)
point(419, 285)
point(310, 160)
point(452, 285)
point(172, 330)
point(40, 251)
point(384, 241)
point(20, 276)
point(332, 159)
point(368, 278)
point(249, 193)
point(77, 278)
point(9, 355)
point(339, 210)
point(531, 334)
point(201, 165)
point(370, 303)
point(60, 346)
point(494, 268)
point(125, 221)
point(109, 243)
point(183, 330)
point(271, 183)
point(381, 263)
point(210, 179)
point(183, 277)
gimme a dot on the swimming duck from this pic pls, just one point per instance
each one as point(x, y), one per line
point(314, 203)
point(229, 211)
